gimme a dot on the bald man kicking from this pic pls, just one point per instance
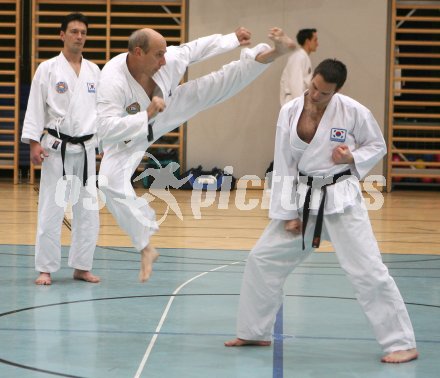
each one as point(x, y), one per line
point(140, 100)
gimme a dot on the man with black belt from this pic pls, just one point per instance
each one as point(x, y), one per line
point(62, 100)
point(140, 100)
point(325, 143)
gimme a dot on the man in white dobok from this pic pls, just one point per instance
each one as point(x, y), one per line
point(62, 100)
point(140, 100)
point(297, 73)
point(325, 143)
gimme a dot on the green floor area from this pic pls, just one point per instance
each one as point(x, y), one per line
point(175, 325)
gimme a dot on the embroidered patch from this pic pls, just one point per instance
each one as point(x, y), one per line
point(55, 145)
point(61, 87)
point(91, 87)
point(338, 135)
point(133, 108)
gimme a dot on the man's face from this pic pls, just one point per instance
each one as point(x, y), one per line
point(320, 91)
point(74, 37)
point(313, 42)
point(154, 58)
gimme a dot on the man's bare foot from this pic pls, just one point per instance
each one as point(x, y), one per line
point(148, 256)
point(241, 342)
point(400, 356)
point(43, 279)
point(85, 275)
point(283, 43)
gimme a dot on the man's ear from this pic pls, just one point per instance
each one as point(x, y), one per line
point(138, 51)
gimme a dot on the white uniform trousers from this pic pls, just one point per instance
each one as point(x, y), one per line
point(85, 222)
point(278, 252)
point(133, 214)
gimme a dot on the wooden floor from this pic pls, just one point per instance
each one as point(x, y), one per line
point(408, 222)
point(175, 325)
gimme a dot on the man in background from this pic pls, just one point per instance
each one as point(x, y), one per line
point(297, 74)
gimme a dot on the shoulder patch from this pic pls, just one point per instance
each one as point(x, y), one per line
point(61, 87)
point(133, 108)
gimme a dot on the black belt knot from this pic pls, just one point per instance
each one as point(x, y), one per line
point(322, 183)
point(74, 140)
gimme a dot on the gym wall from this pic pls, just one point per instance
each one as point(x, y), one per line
point(240, 132)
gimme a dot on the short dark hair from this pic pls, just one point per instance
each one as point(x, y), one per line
point(304, 34)
point(74, 17)
point(139, 39)
point(333, 71)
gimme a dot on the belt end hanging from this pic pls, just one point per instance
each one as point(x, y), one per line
point(150, 136)
point(316, 242)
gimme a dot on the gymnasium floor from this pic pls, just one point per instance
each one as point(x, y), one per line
point(175, 325)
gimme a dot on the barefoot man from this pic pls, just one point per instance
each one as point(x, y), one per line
point(325, 143)
point(140, 99)
point(62, 100)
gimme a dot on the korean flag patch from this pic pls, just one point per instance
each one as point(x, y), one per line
point(91, 87)
point(338, 135)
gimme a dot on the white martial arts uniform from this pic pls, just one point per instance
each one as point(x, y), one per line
point(296, 76)
point(123, 120)
point(63, 101)
point(346, 224)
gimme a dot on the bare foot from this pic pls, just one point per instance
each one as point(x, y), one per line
point(241, 342)
point(43, 279)
point(283, 43)
point(85, 275)
point(400, 356)
point(148, 256)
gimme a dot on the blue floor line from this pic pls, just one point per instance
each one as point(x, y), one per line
point(278, 345)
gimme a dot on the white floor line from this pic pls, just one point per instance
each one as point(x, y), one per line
point(165, 313)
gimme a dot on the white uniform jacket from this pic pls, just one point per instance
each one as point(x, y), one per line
point(61, 100)
point(296, 76)
point(345, 121)
point(117, 86)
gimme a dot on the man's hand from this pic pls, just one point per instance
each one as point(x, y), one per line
point(294, 226)
point(156, 106)
point(342, 155)
point(243, 36)
point(38, 153)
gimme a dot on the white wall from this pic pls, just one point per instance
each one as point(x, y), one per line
point(240, 132)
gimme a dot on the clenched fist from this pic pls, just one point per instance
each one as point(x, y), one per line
point(38, 153)
point(156, 106)
point(243, 36)
point(294, 226)
point(342, 155)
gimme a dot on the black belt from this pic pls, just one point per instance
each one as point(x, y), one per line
point(74, 140)
point(150, 135)
point(322, 183)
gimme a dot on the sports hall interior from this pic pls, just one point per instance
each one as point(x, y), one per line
point(175, 324)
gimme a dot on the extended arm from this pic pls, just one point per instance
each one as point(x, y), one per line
point(207, 47)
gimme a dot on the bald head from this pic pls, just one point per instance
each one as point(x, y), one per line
point(146, 53)
point(143, 38)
